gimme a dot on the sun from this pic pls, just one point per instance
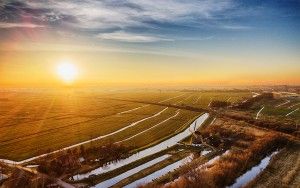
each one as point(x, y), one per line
point(67, 72)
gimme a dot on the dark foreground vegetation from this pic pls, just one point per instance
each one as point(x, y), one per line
point(12, 176)
point(249, 102)
point(219, 104)
point(246, 146)
point(72, 160)
point(233, 164)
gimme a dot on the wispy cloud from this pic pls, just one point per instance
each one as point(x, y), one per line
point(236, 27)
point(17, 25)
point(131, 37)
point(196, 38)
point(138, 21)
point(109, 19)
point(132, 13)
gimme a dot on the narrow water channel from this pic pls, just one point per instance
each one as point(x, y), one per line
point(146, 152)
point(253, 172)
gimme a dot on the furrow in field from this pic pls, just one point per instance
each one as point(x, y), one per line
point(171, 98)
point(293, 105)
point(14, 135)
point(47, 131)
point(257, 115)
point(292, 112)
point(209, 102)
point(39, 133)
point(182, 100)
point(124, 112)
point(65, 116)
point(286, 102)
point(213, 121)
point(88, 141)
point(197, 100)
point(154, 126)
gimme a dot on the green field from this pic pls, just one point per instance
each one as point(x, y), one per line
point(285, 108)
point(36, 122)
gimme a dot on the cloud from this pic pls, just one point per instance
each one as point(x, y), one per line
point(196, 38)
point(120, 20)
point(93, 14)
point(131, 37)
point(16, 25)
point(236, 27)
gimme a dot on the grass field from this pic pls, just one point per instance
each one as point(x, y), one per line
point(36, 122)
point(286, 108)
point(280, 107)
point(201, 98)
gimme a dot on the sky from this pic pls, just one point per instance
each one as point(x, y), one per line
point(150, 42)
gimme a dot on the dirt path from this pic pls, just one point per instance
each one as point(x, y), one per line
point(283, 171)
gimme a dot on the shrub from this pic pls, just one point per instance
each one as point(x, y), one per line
point(219, 104)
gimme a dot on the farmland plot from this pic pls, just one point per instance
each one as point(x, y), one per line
point(202, 99)
point(61, 133)
point(149, 96)
point(34, 123)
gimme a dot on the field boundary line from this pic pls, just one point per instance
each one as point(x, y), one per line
point(171, 117)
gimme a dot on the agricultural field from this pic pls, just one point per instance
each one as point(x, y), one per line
point(146, 138)
point(33, 123)
point(281, 106)
point(149, 94)
point(196, 98)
